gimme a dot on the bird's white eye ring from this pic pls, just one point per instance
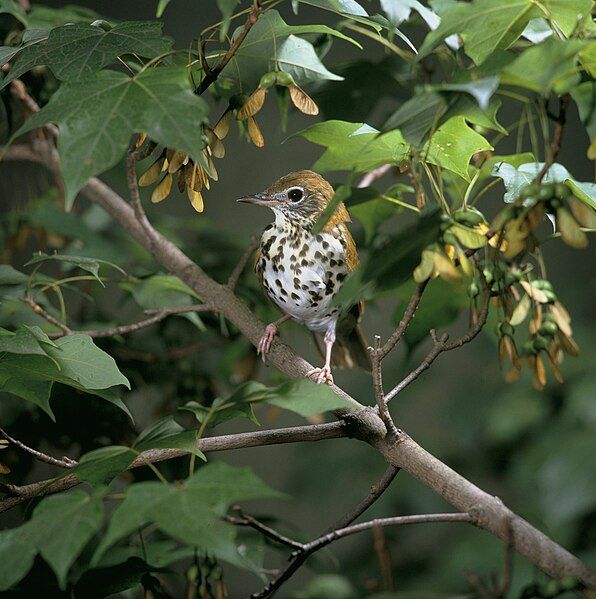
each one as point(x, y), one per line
point(295, 194)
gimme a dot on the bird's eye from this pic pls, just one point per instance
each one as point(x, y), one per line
point(295, 194)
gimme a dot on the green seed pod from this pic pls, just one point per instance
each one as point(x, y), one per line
point(550, 296)
point(546, 191)
point(516, 273)
point(505, 328)
point(529, 191)
point(488, 275)
point(445, 217)
point(238, 100)
point(268, 80)
point(555, 203)
point(284, 78)
point(509, 279)
point(542, 284)
point(529, 347)
point(562, 191)
point(540, 343)
point(470, 217)
point(548, 329)
point(473, 289)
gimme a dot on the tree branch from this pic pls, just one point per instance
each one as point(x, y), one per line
point(296, 434)
point(45, 314)
point(488, 511)
point(307, 549)
point(375, 359)
point(555, 144)
point(38, 455)
point(212, 74)
point(369, 178)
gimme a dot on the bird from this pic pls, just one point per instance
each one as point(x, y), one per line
point(302, 270)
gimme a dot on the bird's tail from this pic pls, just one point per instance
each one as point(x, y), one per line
point(349, 350)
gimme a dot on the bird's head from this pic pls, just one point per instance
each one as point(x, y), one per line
point(299, 197)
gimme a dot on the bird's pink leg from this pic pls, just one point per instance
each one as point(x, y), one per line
point(323, 375)
point(268, 336)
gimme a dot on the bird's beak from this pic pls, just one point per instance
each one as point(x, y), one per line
point(260, 199)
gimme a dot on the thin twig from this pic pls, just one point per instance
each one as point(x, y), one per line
point(295, 434)
point(141, 324)
point(45, 314)
point(404, 322)
point(377, 376)
point(239, 268)
point(250, 521)
point(375, 492)
point(369, 178)
point(214, 73)
point(301, 555)
point(555, 144)
point(383, 557)
point(38, 455)
point(441, 345)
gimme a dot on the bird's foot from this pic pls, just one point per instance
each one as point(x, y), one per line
point(265, 342)
point(321, 375)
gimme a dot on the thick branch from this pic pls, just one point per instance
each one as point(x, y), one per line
point(212, 74)
point(296, 434)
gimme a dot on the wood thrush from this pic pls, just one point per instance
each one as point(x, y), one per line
point(301, 271)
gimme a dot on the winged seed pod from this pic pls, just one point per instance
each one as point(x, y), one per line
point(152, 174)
point(302, 101)
point(222, 127)
point(162, 191)
point(252, 105)
point(254, 132)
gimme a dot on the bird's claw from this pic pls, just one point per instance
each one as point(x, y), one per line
point(265, 342)
point(321, 375)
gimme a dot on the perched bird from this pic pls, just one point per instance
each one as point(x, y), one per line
point(301, 271)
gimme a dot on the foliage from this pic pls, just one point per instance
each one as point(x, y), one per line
point(433, 114)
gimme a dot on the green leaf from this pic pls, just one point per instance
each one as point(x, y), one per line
point(77, 50)
point(372, 214)
point(417, 116)
point(90, 265)
point(25, 341)
point(11, 276)
point(393, 263)
point(515, 179)
point(166, 433)
point(453, 144)
point(567, 14)
point(354, 146)
point(191, 512)
point(12, 8)
point(111, 106)
point(481, 90)
point(65, 524)
point(100, 466)
point(466, 107)
point(298, 57)
point(260, 50)
point(484, 26)
point(46, 17)
point(221, 410)
point(584, 96)
point(60, 528)
point(226, 8)
point(399, 11)
point(341, 7)
point(161, 6)
point(549, 66)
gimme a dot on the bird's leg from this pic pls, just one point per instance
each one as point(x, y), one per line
point(323, 375)
point(268, 336)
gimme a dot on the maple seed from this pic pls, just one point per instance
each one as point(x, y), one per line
point(254, 133)
point(252, 105)
point(196, 199)
point(222, 127)
point(302, 101)
point(162, 191)
point(151, 175)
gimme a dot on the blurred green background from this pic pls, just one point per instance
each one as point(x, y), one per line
point(534, 450)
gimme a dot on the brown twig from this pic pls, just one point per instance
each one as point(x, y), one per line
point(45, 314)
point(307, 549)
point(239, 268)
point(369, 178)
point(555, 144)
point(295, 434)
point(383, 557)
point(375, 492)
point(65, 462)
point(404, 322)
point(247, 520)
point(377, 376)
point(213, 74)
